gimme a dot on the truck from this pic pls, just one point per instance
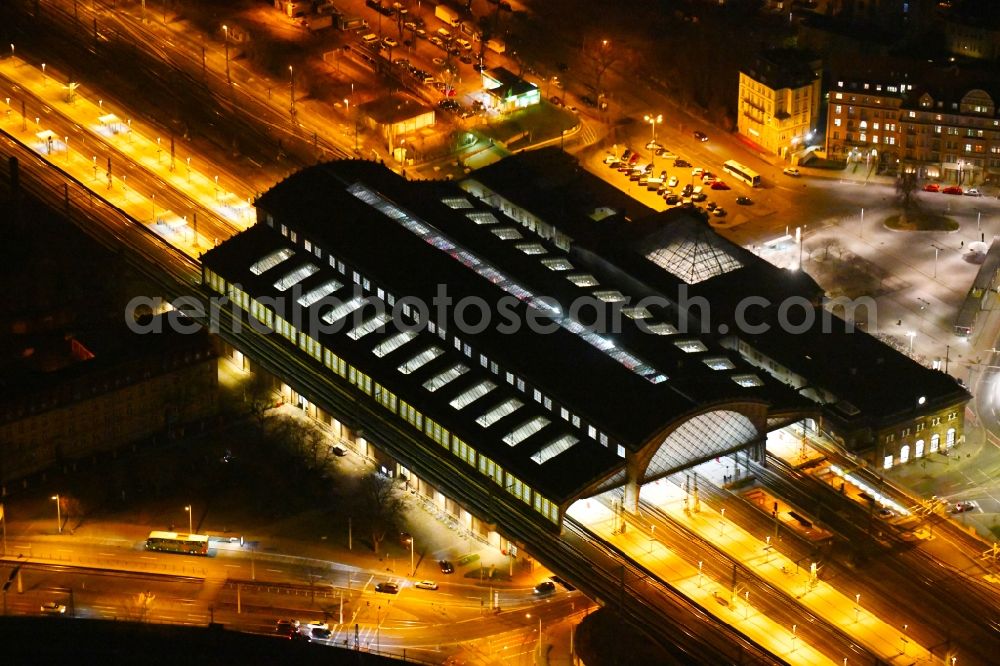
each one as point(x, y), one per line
point(448, 15)
point(345, 22)
point(496, 45)
point(316, 23)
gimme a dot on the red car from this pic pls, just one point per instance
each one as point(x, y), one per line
point(932, 187)
point(719, 185)
point(954, 189)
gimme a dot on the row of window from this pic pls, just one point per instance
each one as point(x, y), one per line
point(905, 432)
point(389, 401)
point(918, 449)
point(218, 284)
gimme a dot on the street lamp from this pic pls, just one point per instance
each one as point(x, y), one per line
point(652, 120)
point(291, 79)
point(225, 28)
point(45, 79)
point(936, 250)
point(857, 606)
point(58, 511)
point(911, 335)
point(413, 566)
point(190, 519)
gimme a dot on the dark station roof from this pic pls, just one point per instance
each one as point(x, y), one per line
point(602, 388)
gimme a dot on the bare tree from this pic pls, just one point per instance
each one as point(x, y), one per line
point(136, 608)
point(308, 443)
point(380, 507)
point(600, 55)
point(258, 394)
point(906, 187)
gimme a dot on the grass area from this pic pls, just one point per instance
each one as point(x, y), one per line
point(920, 221)
point(820, 163)
point(541, 121)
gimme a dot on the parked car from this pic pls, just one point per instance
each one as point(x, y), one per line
point(653, 145)
point(320, 633)
point(719, 212)
point(426, 585)
point(708, 178)
point(545, 587)
point(973, 192)
point(681, 163)
point(446, 567)
point(338, 451)
point(701, 136)
point(672, 182)
point(664, 152)
point(791, 171)
point(710, 206)
point(436, 41)
point(697, 172)
point(744, 201)
point(962, 507)
point(52, 608)
point(389, 42)
point(698, 196)
point(953, 189)
point(720, 185)
point(672, 199)
point(589, 101)
point(688, 189)
point(387, 588)
point(370, 38)
point(932, 187)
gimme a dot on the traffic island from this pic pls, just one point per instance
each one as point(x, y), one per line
point(920, 221)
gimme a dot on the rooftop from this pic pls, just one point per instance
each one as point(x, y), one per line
point(393, 109)
point(508, 84)
point(785, 68)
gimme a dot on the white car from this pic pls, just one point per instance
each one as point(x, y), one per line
point(672, 182)
point(315, 624)
point(52, 608)
point(370, 38)
point(390, 42)
point(426, 585)
point(973, 192)
point(791, 171)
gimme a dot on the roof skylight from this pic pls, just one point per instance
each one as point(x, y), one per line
point(420, 360)
point(464, 399)
point(505, 408)
point(373, 324)
point(393, 342)
point(525, 430)
point(316, 294)
point(554, 448)
point(271, 260)
point(442, 378)
point(295, 276)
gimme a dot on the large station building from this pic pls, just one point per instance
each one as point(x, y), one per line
point(556, 338)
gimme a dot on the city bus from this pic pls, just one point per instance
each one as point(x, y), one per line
point(173, 542)
point(746, 174)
